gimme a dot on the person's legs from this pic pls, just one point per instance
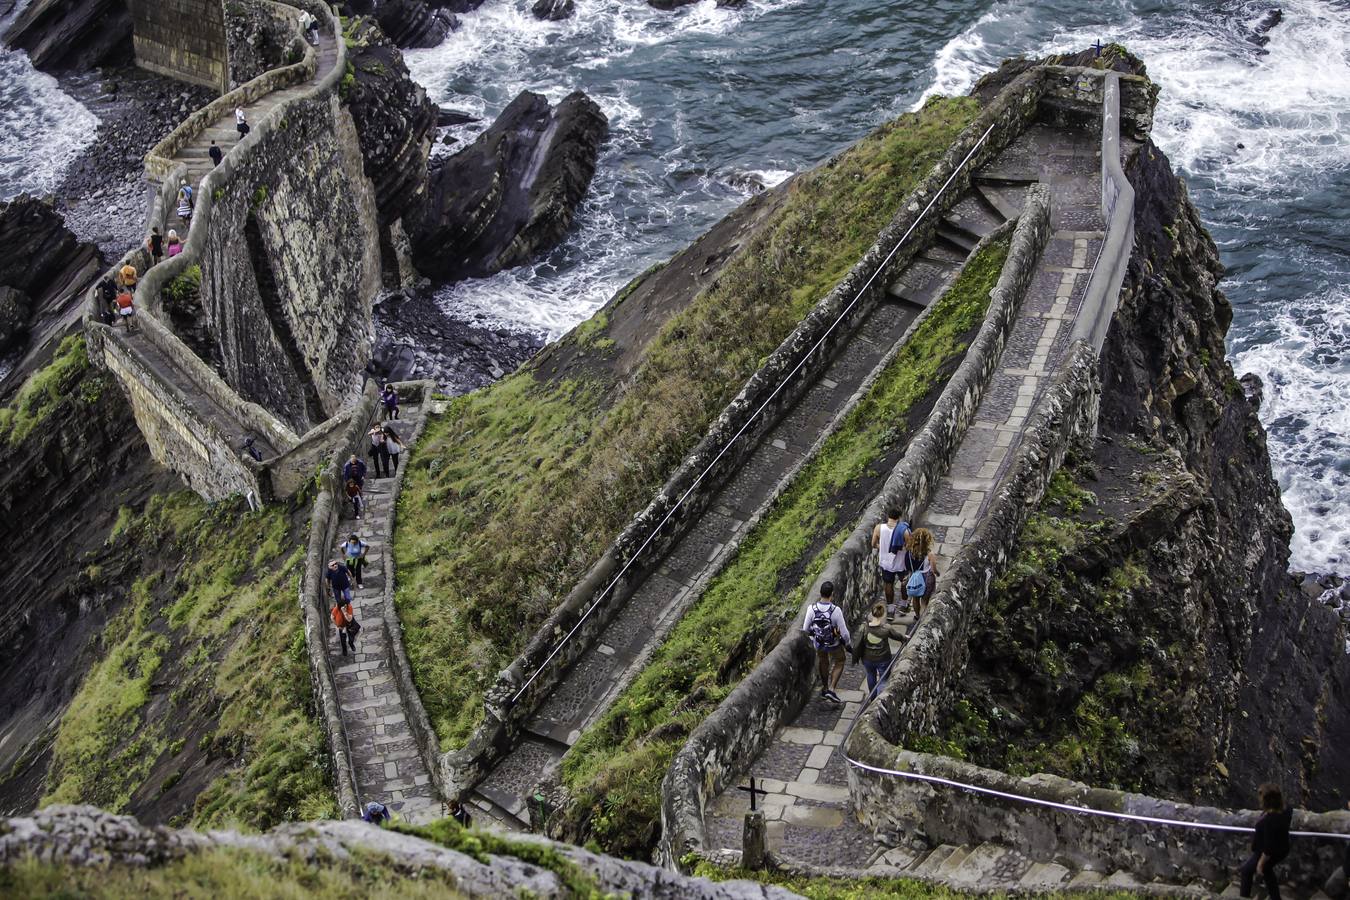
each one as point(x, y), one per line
point(888, 586)
point(1272, 882)
point(393, 462)
point(1247, 872)
point(874, 672)
point(823, 667)
point(344, 639)
point(837, 660)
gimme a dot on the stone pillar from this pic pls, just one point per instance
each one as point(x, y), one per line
point(184, 39)
point(754, 841)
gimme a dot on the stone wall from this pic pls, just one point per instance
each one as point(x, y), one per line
point(734, 735)
point(772, 390)
point(291, 264)
point(184, 39)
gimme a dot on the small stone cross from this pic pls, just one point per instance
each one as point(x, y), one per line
point(752, 791)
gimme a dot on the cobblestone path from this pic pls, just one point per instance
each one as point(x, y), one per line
point(814, 825)
point(384, 755)
point(590, 685)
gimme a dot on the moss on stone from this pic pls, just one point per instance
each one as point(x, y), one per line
point(481, 845)
point(519, 489)
point(217, 640)
point(67, 378)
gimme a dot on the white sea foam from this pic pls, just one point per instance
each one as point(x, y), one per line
point(42, 129)
point(1306, 370)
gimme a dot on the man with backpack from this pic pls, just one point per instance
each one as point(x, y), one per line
point(354, 469)
point(376, 813)
point(888, 539)
point(355, 549)
point(828, 631)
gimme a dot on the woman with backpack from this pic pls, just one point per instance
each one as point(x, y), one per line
point(873, 649)
point(920, 561)
point(354, 550)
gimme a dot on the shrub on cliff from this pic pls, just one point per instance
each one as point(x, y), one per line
point(519, 488)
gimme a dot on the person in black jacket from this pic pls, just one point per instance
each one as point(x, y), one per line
point(1270, 844)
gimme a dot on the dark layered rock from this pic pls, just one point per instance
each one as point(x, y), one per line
point(73, 35)
point(393, 117)
point(39, 261)
point(259, 40)
point(510, 195)
point(553, 10)
point(408, 23)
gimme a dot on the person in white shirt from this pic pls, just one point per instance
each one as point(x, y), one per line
point(828, 631)
point(889, 561)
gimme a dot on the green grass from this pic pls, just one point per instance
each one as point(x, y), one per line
point(519, 489)
point(614, 772)
point(185, 287)
point(67, 378)
point(220, 638)
point(231, 875)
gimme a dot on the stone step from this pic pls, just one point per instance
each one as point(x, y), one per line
point(953, 862)
point(1045, 875)
point(935, 859)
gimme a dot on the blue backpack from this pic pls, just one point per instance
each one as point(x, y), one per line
point(917, 585)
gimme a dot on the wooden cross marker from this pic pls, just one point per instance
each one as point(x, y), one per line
point(752, 791)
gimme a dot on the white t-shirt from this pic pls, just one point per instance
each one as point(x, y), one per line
point(239, 115)
point(885, 558)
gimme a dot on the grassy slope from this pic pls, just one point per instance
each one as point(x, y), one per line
point(209, 663)
point(614, 772)
point(65, 379)
point(521, 486)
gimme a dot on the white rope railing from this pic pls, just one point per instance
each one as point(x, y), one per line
point(782, 384)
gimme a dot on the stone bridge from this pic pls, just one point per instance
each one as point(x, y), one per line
point(273, 288)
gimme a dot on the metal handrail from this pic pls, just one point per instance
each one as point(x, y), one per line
point(782, 384)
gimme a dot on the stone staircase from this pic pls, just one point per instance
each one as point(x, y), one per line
point(385, 757)
point(597, 677)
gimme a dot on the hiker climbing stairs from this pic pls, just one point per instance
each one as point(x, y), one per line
point(588, 687)
point(385, 759)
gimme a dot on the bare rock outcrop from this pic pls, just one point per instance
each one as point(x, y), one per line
point(82, 836)
point(39, 257)
point(73, 35)
point(408, 23)
point(511, 194)
point(260, 39)
point(393, 117)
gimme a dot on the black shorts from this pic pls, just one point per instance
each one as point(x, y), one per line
point(887, 577)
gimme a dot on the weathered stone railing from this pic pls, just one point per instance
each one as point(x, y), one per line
point(738, 731)
point(790, 370)
point(1103, 292)
point(296, 455)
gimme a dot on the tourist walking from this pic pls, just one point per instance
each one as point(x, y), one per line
point(310, 25)
point(389, 397)
point(378, 451)
point(354, 470)
point(888, 539)
point(344, 620)
point(126, 309)
point(873, 649)
point(185, 202)
point(459, 813)
point(215, 153)
point(126, 276)
point(173, 243)
point(240, 122)
point(355, 495)
point(354, 551)
point(825, 625)
point(394, 446)
point(251, 448)
point(155, 244)
point(376, 813)
point(920, 560)
point(1270, 843)
point(340, 580)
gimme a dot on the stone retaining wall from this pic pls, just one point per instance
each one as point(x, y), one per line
point(737, 732)
point(772, 390)
point(184, 39)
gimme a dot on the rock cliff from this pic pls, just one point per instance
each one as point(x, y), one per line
point(512, 193)
point(1149, 635)
point(73, 35)
point(409, 23)
point(260, 39)
point(99, 852)
point(39, 260)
